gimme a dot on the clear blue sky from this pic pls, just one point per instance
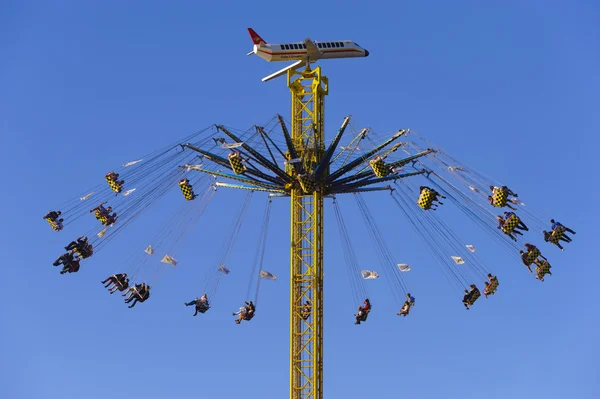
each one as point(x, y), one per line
point(510, 88)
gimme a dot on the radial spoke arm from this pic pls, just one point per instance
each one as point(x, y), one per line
point(332, 147)
point(259, 158)
point(350, 187)
point(246, 180)
point(290, 144)
point(362, 159)
point(411, 158)
point(223, 162)
point(250, 188)
point(365, 190)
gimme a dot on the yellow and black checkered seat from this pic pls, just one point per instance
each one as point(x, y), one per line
point(425, 199)
point(499, 198)
point(186, 189)
point(474, 295)
point(114, 185)
point(510, 224)
point(491, 289)
point(542, 269)
point(235, 160)
point(307, 183)
point(380, 169)
point(557, 234)
point(55, 226)
point(532, 255)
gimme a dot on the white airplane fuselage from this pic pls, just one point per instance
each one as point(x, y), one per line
point(303, 53)
point(297, 51)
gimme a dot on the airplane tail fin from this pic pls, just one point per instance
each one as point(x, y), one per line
point(256, 39)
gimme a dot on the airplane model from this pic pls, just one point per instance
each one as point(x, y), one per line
point(305, 52)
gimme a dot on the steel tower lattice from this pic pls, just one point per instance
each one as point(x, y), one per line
point(308, 89)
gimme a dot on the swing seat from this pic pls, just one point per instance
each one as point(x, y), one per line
point(364, 315)
point(499, 198)
point(55, 224)
point(236, 163)
point(533, 255)
point(557, 234)
point(510, 224)
point(202, 308)
point(405, 310)
point(186, 189)
point(307, 183)
point(116, 186)
point(380, 169)
point(542, 269)
point(425, 199)
point(102, 217)
point(491, 289)
point(85, 252)
point(473, 296)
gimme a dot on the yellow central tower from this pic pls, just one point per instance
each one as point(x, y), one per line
point(308, 89)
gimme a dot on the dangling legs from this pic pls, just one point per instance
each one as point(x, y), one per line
point(560, 246)
point(135, 300)
point(565, 238)
point(60, 260)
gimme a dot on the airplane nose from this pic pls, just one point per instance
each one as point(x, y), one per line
point(366, 53)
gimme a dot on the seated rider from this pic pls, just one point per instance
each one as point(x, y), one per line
point(363, 311)
point(360, 315)
point(560, 229)
point(491, 285)
point(500, 195)
point(250, 312)
point(501, 226)
point(531, 256)
point(306, 310)
point(138, 293)
point(116, 282)
point(408, 304)
point(541, 270)
point(70, 262)
point(552, 238)
point(201, 304)
point(187, 189)
point(508, 225)
point(111, 219)
point(101, 209)
point(117, 185)
point(433, 197)
point(526, 259)
point(52, 218)
point(246, 312)
point(471, 296)
point(555, 225)
point(520, 224)
point(81, 246)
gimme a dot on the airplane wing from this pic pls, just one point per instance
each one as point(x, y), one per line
point(312, 51)
point(283, 71)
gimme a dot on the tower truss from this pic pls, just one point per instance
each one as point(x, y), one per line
point(308, 90)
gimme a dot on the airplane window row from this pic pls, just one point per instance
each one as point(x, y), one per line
point(298, 46)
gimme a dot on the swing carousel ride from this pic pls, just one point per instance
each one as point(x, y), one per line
point(282, 160)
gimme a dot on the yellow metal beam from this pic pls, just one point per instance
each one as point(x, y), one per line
point(308, 89)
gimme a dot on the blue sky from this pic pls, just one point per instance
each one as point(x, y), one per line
point(510, 88)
